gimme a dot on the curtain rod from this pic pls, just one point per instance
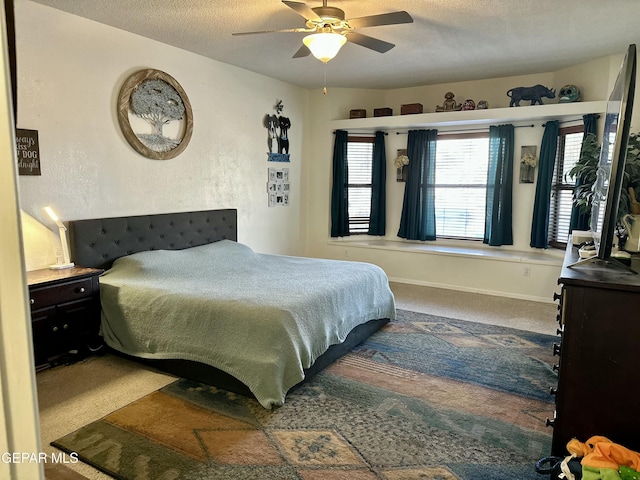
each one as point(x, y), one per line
point(571, 121)
point(350, 132)
point(477, 130)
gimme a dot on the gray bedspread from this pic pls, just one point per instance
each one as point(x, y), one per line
point(261, 318)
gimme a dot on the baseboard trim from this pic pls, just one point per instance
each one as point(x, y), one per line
point(460, 288)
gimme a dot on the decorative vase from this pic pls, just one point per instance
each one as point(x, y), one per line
point(401, 174)
point(526, 173)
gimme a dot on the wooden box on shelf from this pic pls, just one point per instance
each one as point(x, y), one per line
point(410, 108)
point(382, 112)
point(359, 113)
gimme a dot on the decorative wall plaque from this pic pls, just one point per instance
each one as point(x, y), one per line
point(155, 115)
point(278, 128)
point(528, 163)
point(28, 152)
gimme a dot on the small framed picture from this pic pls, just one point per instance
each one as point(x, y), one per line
point(278, 187)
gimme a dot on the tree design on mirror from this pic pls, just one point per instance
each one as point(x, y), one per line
point(155, 115)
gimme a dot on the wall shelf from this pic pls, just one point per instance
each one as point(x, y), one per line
point(556, 111)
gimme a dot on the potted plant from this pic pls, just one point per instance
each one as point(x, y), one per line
point(585, 170)
point(631, 187)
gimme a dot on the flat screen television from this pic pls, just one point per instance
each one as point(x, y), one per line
point(608, 185)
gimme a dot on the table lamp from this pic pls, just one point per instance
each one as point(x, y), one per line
point(65, 263)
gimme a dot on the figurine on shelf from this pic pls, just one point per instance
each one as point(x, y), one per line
point(469, 105)
point(570, 93)
point(482, 105)
point(449, 104)
point(533, 94)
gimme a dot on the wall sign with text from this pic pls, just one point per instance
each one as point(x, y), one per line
point(28, 152)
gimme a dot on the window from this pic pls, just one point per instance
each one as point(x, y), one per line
point(359, 164)
point(461, 185)
point(568, 153)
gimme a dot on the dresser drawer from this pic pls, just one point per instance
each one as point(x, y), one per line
point(64, 292)
point(41, 324)
point(60, 329)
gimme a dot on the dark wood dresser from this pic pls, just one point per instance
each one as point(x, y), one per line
point(598, 392)
point(65, 313)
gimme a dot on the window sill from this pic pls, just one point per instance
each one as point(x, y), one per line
point(550, 257)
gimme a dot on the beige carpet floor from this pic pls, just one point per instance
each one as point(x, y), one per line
point(75, 395)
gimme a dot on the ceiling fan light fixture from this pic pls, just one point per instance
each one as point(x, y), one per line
point(324, 46)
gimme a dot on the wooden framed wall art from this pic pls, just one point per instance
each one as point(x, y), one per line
point(155, 115)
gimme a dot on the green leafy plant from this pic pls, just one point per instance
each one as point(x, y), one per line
point(585, 170)
point(631, 174)
point(584, 173)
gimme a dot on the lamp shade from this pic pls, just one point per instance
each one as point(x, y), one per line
point(324, 46)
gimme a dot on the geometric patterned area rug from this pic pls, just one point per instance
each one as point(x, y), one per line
point(426, 397)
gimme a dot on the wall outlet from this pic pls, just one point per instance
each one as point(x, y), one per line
point(527, 271)
point(346, 252)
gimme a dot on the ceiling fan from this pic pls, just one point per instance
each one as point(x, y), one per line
point(329, 30)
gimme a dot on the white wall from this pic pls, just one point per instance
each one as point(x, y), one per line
point(70, 70)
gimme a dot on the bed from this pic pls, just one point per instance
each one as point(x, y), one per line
point(181, 294)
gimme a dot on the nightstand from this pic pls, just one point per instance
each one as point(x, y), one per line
point(65, 314)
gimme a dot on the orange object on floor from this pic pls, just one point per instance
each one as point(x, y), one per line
point(600, 452)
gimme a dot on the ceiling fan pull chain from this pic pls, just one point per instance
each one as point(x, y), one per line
point(324, 88)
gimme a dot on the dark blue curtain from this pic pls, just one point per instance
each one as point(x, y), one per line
point(418, 221)
point(339, 190)
point(498, 214)
point(579, 219)
point(542, 202)
point(377, 220)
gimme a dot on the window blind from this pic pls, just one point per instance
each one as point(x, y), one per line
point(568, 154)
point(359, 161)
point(461, 185)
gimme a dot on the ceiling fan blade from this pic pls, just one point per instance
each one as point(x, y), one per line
point(302, 9)
point(303, 51)
point(369, 42)
point(295, 30)
point(393, 18)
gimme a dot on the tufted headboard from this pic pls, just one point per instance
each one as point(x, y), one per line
point(99, 242)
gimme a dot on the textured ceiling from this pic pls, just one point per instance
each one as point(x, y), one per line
point(449, 41)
